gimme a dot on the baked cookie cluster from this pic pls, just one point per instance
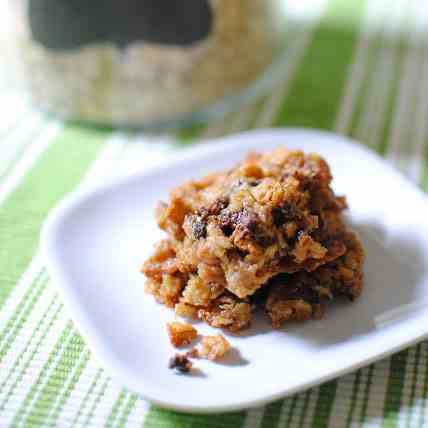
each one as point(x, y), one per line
point(268, 233)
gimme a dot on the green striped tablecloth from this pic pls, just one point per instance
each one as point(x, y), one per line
point(358, 68)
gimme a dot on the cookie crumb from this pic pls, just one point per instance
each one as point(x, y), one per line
point(193, 353)
point(213, 347)
point(181, 333)
point(180, 363)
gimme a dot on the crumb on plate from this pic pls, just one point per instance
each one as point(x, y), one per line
point(214, 347)
point(181, 333)
point(180, 363)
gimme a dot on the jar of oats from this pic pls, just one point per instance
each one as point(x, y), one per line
point(139, 62)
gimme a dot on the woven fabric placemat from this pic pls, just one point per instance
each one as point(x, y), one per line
point(359, 68)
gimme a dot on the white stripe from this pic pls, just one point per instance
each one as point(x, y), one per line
point(362, 391)
point(413, 166)
point(41, 385)
point(13, 301)
point(138, 414)
point(298, 409)
point(295, 55)
point(373, 20)
point(113, 146)
point(101, 415)
point(421, 403)
point(104, 161)
point(13, 106)
point(142, 152)
point(405, 410)
point(15, 298)
point(403, 113)
point(10, 331)
point(342, 400)
point(374, 113)
point(302, 414)
point(254, 417)
point(377, 392)
point(122, 409)
point(92, 375)
point(285, 411)
point(32, 372)
point(67, 384)
point(310, 410)
point(20, 361)
point(242, 119)
point(21, 136)
point(106, 157)
point(28, 160)
point(99, 403)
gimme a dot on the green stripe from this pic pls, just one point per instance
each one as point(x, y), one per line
point(19, 322)
point(305, 408)
point(186, 135)
point(326, 395)
point(20, 308)
point(272, 414)
point(424, 389)
point(87, 396)
point(53, 418)
point(127, 411)
point(98, 398)
point(353, 398)
point(55, 173)
point(44, 405)
point(25, 209)
point(57, 380)
point(116, 408)
point(414, 380)
point(21, 412)
point(322, 74)
point(291, 409)
point(157, 418)
point(21, 355)
point(367, 388)
point(394, 390)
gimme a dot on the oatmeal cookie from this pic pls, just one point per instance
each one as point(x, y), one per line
point(303, 295)
point(233, 234)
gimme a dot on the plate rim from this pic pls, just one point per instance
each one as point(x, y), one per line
point(71, 202)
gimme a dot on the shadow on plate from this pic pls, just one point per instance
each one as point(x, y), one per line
point(233, 358)
point(393, 271)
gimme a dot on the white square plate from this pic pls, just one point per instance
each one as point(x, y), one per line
point(95, 242)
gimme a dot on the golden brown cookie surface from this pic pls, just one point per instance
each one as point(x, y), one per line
point(272, 224)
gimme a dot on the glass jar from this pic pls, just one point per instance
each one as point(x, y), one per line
point(139, 62)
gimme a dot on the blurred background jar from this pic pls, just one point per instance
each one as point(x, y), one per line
point(139, 62)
